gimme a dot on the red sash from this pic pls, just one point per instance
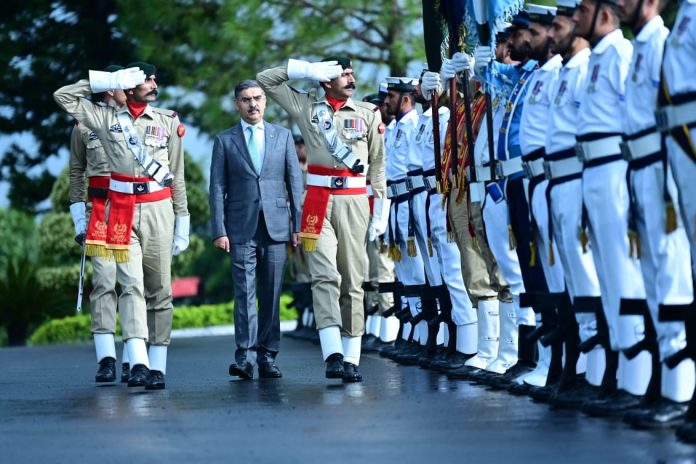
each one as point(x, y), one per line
point(95, 241)
point(121, 211)
point(316, 200)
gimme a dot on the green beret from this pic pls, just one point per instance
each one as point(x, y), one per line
point(113, 68)
point(344, 61)
point(147, 68)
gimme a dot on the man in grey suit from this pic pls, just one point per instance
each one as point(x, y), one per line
point(255, 206)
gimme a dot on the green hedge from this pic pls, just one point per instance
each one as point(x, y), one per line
point(74, 329)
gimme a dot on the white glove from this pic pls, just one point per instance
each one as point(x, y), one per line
point(322, 71)
point(430, 82)
point(182, 225)
point(483, 55)
point(462, 62)
point(101, 81)
point(447, 70)
point(380, 218)
point(79, 219)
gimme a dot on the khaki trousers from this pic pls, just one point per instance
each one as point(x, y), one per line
point(481, 275)
point(103, 297)
point(146, 284)
point(338, 265)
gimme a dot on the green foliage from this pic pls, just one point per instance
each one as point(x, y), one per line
point(56, 241)
point(60, 200)
point(182, 265)
point(16, 235)
point(74, 329)
point(196, 40)
point(196, 194)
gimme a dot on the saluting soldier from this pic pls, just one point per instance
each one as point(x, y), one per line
point(148, 218)
point(89, 177)
point(344, 144)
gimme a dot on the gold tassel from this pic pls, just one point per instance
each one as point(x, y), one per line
point(670, 218)
point(382, 246)
point(533, 253)
point(397, 254)
point(552, 258)
point(309, 244)
point(633, 244)
point(438, 186)
point(583, 240)
point(511, 238)
point(430, 247)
point(411, 247)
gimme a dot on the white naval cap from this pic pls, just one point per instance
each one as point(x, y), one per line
point(541, 12)
point(566, 7)
point(382, 87)
point(402, 84)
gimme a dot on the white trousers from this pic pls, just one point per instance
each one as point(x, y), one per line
point(684, 169)
point(539, 208)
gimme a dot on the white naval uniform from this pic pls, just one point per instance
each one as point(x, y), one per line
point(446, 252)
point(566, 202)
point(605, 196)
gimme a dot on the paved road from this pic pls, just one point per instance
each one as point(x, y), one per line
point(52, 412)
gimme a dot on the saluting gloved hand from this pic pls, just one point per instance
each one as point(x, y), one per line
point(101, 81)
point(79, 219)
point(182, 225)
point(322, 71)
point(483, 54)
point(430, 82)
point(380, 218)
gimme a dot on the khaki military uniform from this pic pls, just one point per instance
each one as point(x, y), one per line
point(87, 158)
point(146, 278)
point(338, 264)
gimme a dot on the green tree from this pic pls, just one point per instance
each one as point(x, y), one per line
point(207, 47)
point(16, 235)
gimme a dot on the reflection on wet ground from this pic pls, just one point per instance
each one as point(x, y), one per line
point(398, 414)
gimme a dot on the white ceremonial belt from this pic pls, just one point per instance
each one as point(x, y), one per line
point(553, 169)
point(397, 189)
point(477, 191)
point(534, 168)
point(134, 188)
point(414, 182)
point(673, 116)
point(430, 182)
point(642, 146)
point(336, 182)
point(509, 167)
point(370, 193)
point(483, 173)
point(596, 149)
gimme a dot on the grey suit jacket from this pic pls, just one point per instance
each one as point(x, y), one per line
point(238, 193)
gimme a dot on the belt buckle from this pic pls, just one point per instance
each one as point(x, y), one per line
point(625, 150)
point(499, 169)
point(527, 169)
point(426, 182)
point(141, 188)
point(580, 152)
point(661, 120)
point(394, 191)
point(409, 184)
point(547, 170)
point(338, 182)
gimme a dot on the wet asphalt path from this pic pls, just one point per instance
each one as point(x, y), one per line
point(51, 411)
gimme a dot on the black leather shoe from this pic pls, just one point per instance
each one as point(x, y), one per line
point(615, 404)
point(451, 362)
point(125, 372)
point(687, 432)
point(138, 376)
point(506, 380)
point(268, 370)
point(350, 373)
point(542, 394)
point(519, 388)
point(106, 371)
point(334, 366)
point(662, 415)
point(575, 396)
point(155, 381)
point(244, 371)
point(462, 373)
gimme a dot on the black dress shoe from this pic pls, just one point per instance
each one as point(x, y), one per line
point(155, 381)
point(268, 370)
point(138, 376)
point(507, 380)
point(687, 432)
point(462, 373)
point(334, 366)
point(662, 415)
point(244, 370)
point(350, 373)
point(125, 372)
point(106, 371)
point(575, 396)
point(519, 388)
point(542, 394)
point(615, 404)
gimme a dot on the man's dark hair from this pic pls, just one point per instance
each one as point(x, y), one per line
point(247, 84)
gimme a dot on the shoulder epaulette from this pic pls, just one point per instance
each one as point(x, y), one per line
point(366, 105)
point(296, 90)
point(166, 112)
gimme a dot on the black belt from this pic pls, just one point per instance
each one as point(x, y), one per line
point(97, 192)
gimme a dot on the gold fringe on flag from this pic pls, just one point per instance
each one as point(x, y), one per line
point(670, 218)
